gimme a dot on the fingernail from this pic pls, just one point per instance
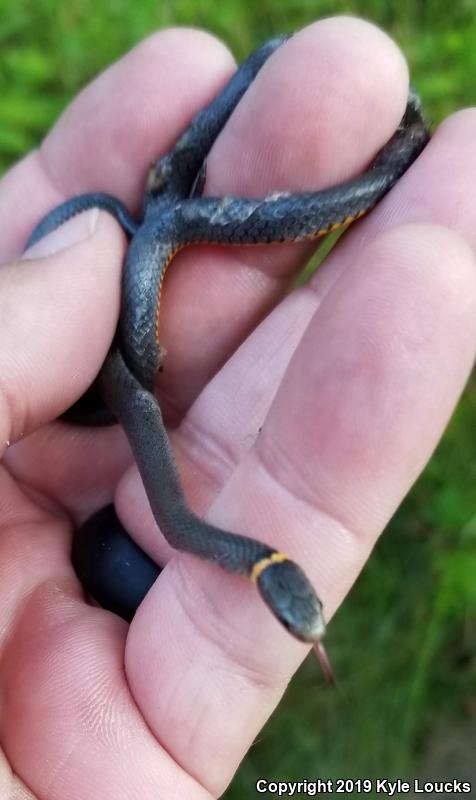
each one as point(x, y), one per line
point(72, 232)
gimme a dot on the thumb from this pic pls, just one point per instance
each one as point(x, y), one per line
point(58, 311)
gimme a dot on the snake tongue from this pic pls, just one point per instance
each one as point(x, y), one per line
point(325, 663)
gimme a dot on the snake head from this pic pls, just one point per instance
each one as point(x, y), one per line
point(289, 594)
point(291, 597)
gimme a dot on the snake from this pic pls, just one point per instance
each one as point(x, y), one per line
point(110, 565)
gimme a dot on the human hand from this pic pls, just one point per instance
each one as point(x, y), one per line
point(351, 378)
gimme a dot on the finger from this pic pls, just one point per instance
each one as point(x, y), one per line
point(107, 137)
point(316, 114)
point(65, 702)
point(59, 308)
point(361, 407)
point(437, 188)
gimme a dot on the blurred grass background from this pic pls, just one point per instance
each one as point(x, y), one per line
point(404, 645)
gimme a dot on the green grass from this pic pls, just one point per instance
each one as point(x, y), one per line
point(404, 644)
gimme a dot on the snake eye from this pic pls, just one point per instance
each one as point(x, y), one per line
point(287, 591)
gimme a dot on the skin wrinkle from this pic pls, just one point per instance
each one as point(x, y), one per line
point(31, 515)
point(216, 630)
point(326, 531)
point(212, 455)
point(314, 526)
point(45, 590)
point(116, 735)
point(199, 451)
point(13, 402)
point(195, 444)
point(20, 510)
point(257, 679)
point(6, 415)
point(71, 500)
point(275, 462)
point(58, 769)
point(48, 174)
point(146, 725)
point(435, 301)
point(19, 790)
point(265, 357)
point(274, 288)
point(249, 275)
point(193, 421)
point(15, 184)
point(9, 630)
point(7, 778)
point(257, 278)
